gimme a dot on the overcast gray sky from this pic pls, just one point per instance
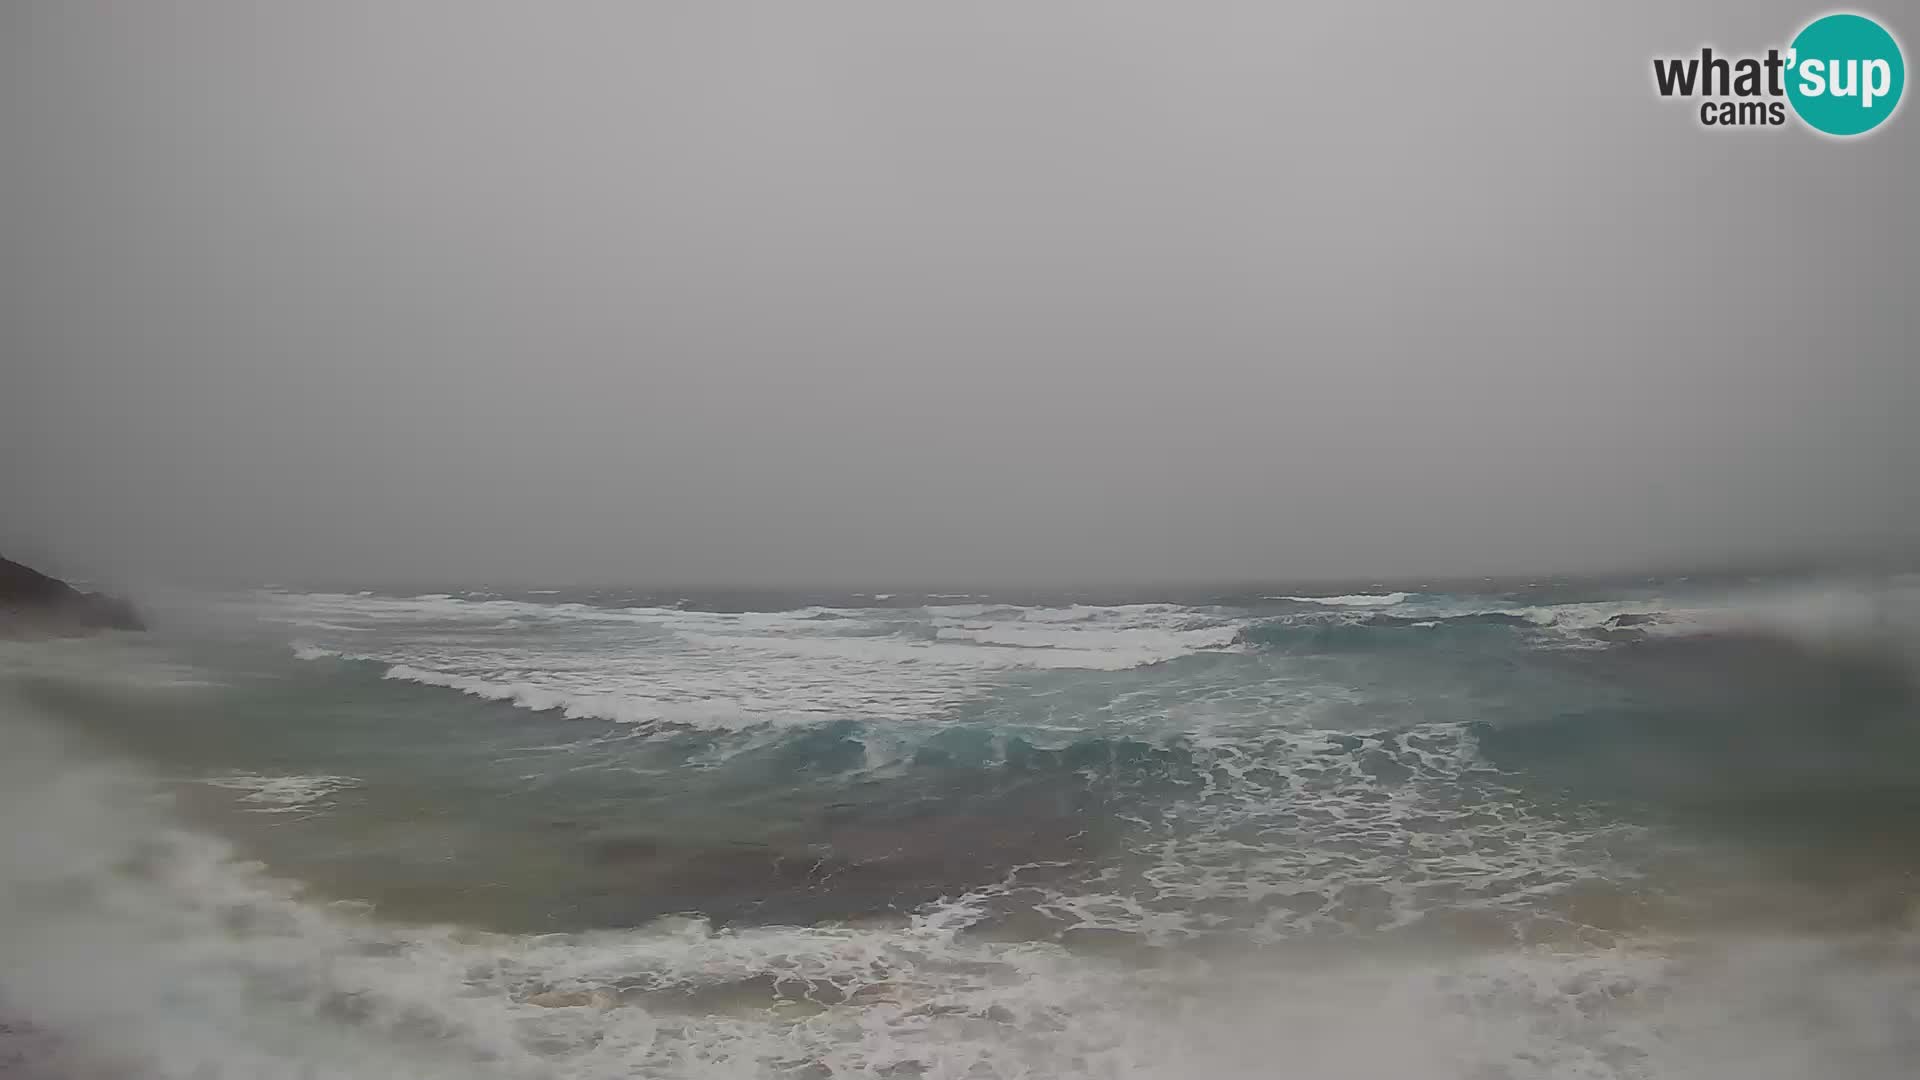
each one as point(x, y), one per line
point(784, 293)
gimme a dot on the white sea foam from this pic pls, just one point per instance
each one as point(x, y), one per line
point(631, 706)
point(155, 949)
point(961, 611)
point(730, 670)
point(150, 950)
point(1299, 831)
point(283, 794)
point(1350, 600)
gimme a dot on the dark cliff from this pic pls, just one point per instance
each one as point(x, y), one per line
point(33, 604)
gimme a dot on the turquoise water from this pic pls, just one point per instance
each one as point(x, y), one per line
point(1631, 829)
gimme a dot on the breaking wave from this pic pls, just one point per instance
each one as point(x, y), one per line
point(1350, 600)
point(1448, 837)
point(220, 971)
point(731, 670)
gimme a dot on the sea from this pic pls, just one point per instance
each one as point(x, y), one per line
point(1632, 828)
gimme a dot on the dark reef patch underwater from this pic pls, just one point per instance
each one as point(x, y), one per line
point(1632, 829)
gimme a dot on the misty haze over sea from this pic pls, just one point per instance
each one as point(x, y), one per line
point(854, 540)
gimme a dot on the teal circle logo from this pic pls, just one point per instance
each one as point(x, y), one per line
point(1845, 74)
